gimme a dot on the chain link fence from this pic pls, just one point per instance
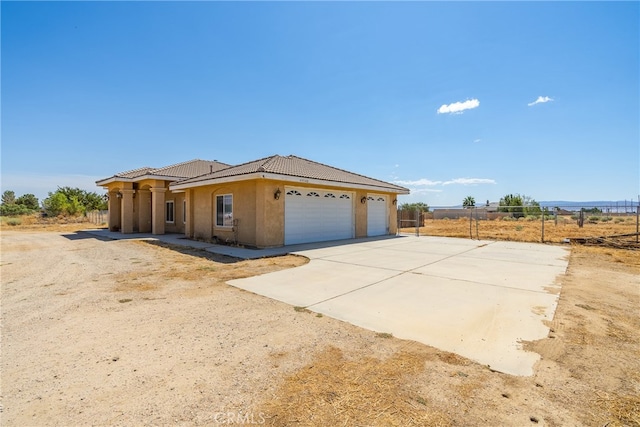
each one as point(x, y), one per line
point(557, 224)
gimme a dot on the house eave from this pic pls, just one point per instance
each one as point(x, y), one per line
point(107, 181)
point(113, 179)
point(286, 178)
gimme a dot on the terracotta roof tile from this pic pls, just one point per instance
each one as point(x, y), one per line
point(134, 173)
point(296, 167)
point(189, 169)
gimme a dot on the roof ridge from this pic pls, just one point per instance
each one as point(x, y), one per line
point(260, 162)
point(341, 170)
point(177, 164)
point(268, 161)
point(145, 168)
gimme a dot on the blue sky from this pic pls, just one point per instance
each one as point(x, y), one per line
point(448, 99)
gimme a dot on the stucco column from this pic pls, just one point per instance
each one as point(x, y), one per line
point(127, 211)
point(144, 211)
point(157, 210)
point(114, 211)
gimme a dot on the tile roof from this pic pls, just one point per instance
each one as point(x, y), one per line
point(134, 173)
point(189, 169)
point(296, 167)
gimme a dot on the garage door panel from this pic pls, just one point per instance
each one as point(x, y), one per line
point(317, 215)
point(377, 218)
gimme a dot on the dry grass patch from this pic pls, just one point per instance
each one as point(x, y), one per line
point(524, 230)
point(625, 410)
point(334, 390)
point(36, 222)
point(187, 264)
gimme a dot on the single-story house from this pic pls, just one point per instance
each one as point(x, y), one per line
point(274, 201)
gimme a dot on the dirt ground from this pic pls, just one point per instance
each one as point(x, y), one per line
point(98, 332)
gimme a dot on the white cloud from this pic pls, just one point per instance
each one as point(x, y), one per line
point(459, 107)
point(424, 185)
point(415, 191)
point(420, 183)
point(469, 181)
point(459, 181)
point(477, 140)
point(540, 100)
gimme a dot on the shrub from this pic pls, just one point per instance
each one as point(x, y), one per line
point(593, 218)
point(14, 221)
point(606, 219)
point(619, 220)
point(14, 210)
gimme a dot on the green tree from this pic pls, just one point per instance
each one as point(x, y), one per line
point(72, 201)
point(23, 205)
point(14, 210)
point(88, 199)
point(29, 201)
point(56, 204)
point(519, 205)
point(512, 203)
point(420, 206)
point(531, 207)
point(94, 201)
point(469, 202)
point(75, 207)
point(8, 198)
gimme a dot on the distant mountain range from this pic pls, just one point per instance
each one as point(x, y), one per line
point(604, 205)
point(620, 204)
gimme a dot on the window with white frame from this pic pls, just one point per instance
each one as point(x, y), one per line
point(169, 211)
point(224, 210)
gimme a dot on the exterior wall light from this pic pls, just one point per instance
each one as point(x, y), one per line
point(363, 200)
point(276, 195)
point(395, 202)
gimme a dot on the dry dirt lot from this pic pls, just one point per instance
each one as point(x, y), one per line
point(131, 333)
point(530, 230)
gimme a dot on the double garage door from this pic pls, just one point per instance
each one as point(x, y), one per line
point(314, 215)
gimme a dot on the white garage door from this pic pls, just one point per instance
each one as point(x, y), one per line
point(312, 215)
point(377, 222)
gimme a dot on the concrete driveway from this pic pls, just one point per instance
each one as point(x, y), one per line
point(479, 299)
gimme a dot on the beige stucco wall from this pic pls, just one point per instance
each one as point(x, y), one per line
point(269, 214)
point(361, 214)
point(258, 214)
point(260, 217)
point(203, 200)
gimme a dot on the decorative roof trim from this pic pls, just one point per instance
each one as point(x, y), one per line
point(286, 178)
point(138, 179)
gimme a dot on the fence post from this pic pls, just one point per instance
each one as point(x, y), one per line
point(637, 222)
point(417, 222)
point(477, 234)
point(542, 238)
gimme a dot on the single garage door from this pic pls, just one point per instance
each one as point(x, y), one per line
point(312, 215)
point(377, 219)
